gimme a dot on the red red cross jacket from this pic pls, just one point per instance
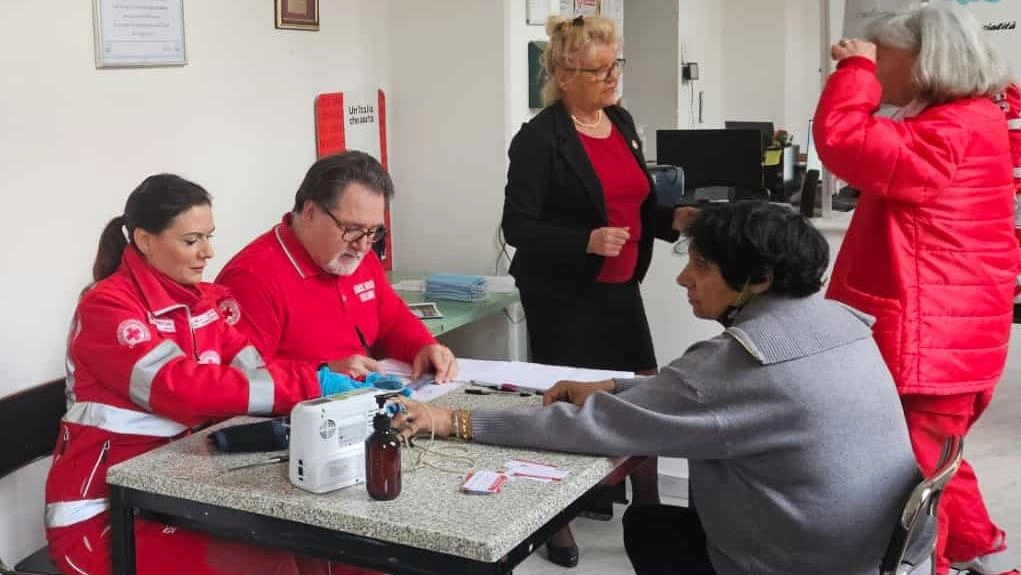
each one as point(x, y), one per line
point(931, 250)
point(1010, 103)
point(147, 360)
point(292, 309)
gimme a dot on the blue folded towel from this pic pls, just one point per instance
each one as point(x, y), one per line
point(457, 287)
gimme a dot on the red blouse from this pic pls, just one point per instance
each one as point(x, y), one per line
point(625, 187)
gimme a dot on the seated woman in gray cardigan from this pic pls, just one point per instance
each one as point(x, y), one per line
point(798, 451)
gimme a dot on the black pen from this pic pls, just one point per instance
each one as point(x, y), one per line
point(505, 387)
point(361, 338)
point(471, 391)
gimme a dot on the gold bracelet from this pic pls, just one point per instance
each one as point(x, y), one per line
point(468, 435)
point(454, 423)
point(463, 424)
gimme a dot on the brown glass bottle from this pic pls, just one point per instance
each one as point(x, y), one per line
point(382, 460)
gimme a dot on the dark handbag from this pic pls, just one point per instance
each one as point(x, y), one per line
point(667, 184)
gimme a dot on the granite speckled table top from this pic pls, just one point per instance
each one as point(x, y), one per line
point(431, 512)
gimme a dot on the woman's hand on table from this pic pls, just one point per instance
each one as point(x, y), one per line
point(417, 418)
point(576, 392)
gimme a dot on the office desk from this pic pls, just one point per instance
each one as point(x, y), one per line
point(431, 528)
point(455, 313)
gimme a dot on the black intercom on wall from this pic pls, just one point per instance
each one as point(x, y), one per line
point(689, 71)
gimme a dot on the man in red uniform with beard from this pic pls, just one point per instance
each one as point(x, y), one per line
point(311, 288)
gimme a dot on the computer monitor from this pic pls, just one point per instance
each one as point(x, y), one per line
point(714, 158)
point(765, 128)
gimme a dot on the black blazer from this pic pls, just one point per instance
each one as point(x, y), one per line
point(553, 201)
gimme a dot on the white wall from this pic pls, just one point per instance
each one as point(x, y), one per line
point(802, 84)
point(701, 40)
point(754, 60)
point(771, 62)
point(448, 133)
point(519, 34)
point(652, 73)
point(76, 140)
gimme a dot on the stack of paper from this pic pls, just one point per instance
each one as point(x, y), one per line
point(423, 388)
point(529, 376)
point(457, 287)
point(533, 470)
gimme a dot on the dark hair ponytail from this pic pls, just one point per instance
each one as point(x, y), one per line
point(152, 206)
point(111, 247)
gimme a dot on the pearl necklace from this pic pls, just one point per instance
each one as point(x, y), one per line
point(593, 125)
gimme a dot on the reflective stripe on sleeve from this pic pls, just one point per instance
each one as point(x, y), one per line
point(146, 368)
point(260, 392)
point(65, 513)
point(248, 358)
point(120, 420)
point(261, 389)
point(1014, 124)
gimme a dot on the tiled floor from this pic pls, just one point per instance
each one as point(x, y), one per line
point(993, 448)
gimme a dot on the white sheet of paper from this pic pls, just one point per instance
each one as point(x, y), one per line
point(431, 391)
point(525, 375)
point(395, 367)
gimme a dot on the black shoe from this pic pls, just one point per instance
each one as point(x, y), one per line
point(563, 556)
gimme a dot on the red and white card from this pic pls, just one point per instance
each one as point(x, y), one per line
point(483, 482)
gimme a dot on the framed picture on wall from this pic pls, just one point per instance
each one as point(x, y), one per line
point(297, 14)
point(138, 33)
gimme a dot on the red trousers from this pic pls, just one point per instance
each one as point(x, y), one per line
point(84, 549)
point(965, 530)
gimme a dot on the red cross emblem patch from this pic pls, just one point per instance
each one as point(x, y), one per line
point(132, 332)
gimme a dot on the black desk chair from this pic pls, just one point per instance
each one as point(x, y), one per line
point(914, 538)
point(29, 423)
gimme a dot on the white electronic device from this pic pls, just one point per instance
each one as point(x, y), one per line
point(328, 434)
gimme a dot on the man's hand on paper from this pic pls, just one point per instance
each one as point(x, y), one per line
point(576, 392)
point(438, 358)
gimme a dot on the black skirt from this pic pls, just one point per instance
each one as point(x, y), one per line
point(605, 327)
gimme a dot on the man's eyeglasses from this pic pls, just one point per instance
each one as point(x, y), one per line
point(604, 73)
point(353, 235)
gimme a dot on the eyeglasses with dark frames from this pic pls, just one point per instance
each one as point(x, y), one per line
point(604, 73)
point(354, 235)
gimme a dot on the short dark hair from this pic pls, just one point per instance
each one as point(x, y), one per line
point(752, 242)
point(326, 180)
point(152, 206)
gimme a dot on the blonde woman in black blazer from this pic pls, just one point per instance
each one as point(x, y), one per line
point(577, 194)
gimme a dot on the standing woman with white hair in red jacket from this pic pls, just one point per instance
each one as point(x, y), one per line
point(930, 251)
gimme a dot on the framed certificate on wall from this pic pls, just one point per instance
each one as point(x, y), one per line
point(297, 14)
point(148, 33)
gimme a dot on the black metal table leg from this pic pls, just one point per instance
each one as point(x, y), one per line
point(122, 532)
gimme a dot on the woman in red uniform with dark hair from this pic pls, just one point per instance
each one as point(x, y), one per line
point(149, 358)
